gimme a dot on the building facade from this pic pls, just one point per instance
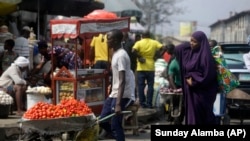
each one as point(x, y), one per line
point(234, 29)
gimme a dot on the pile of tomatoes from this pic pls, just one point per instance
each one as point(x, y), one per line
point(66, 108)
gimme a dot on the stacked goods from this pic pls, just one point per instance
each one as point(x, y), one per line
point(5, 99)
point(5, 103)
point(39, 90)
point(66, 95)
point(66, 108)
point(66, 91)
point(67, 86)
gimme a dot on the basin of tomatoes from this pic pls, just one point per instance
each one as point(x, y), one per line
point(66, 108)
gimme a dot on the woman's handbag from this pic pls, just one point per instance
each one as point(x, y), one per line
point(226, 79)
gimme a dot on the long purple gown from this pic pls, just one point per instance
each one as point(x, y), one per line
point(200, 65)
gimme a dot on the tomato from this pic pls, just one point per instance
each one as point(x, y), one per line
point(66, 108)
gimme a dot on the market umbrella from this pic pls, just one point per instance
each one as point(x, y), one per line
point(101, 14)
point(8, 6)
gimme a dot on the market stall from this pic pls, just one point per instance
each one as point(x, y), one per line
point(83, 83)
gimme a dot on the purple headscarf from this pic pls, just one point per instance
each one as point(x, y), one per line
point(199, 62)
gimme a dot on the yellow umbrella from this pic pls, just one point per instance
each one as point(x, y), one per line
point(8, 6)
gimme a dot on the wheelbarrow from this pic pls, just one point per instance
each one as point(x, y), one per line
point(83, 128)
point(173, 102)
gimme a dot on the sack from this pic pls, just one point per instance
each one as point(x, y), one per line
point(226, 79)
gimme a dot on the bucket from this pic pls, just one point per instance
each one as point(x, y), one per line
point(33, 99)
point(4, 111)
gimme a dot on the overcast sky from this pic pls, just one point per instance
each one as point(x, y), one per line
point(205, 12)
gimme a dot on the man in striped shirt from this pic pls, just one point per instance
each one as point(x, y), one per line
point(22, 45)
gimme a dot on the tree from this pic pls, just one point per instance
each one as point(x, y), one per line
point(157, 12)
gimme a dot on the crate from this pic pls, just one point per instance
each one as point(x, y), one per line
point(4, 111)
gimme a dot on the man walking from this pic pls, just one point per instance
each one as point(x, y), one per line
point(122, 92)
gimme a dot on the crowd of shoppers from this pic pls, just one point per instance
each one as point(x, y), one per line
point(191, 67)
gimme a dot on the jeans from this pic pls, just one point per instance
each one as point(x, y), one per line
point(115, 128)
point(144, 77)
point(101, 64)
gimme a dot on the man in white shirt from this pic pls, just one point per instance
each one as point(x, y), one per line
point(12, 82)
point(122, 92)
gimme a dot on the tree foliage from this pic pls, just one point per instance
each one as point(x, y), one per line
point(157, 12)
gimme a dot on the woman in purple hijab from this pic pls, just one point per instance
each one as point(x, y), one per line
point(199, 81)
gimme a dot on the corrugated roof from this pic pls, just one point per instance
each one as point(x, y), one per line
point(237, 15)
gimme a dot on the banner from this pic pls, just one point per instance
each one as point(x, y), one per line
point(71, 28)
point(185, 28)
point(103, 26)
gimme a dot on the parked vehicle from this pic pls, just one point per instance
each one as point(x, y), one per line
point(233, 53)
point(238, 101)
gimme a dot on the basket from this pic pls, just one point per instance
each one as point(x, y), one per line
point(4, 111)
point(33, 99)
